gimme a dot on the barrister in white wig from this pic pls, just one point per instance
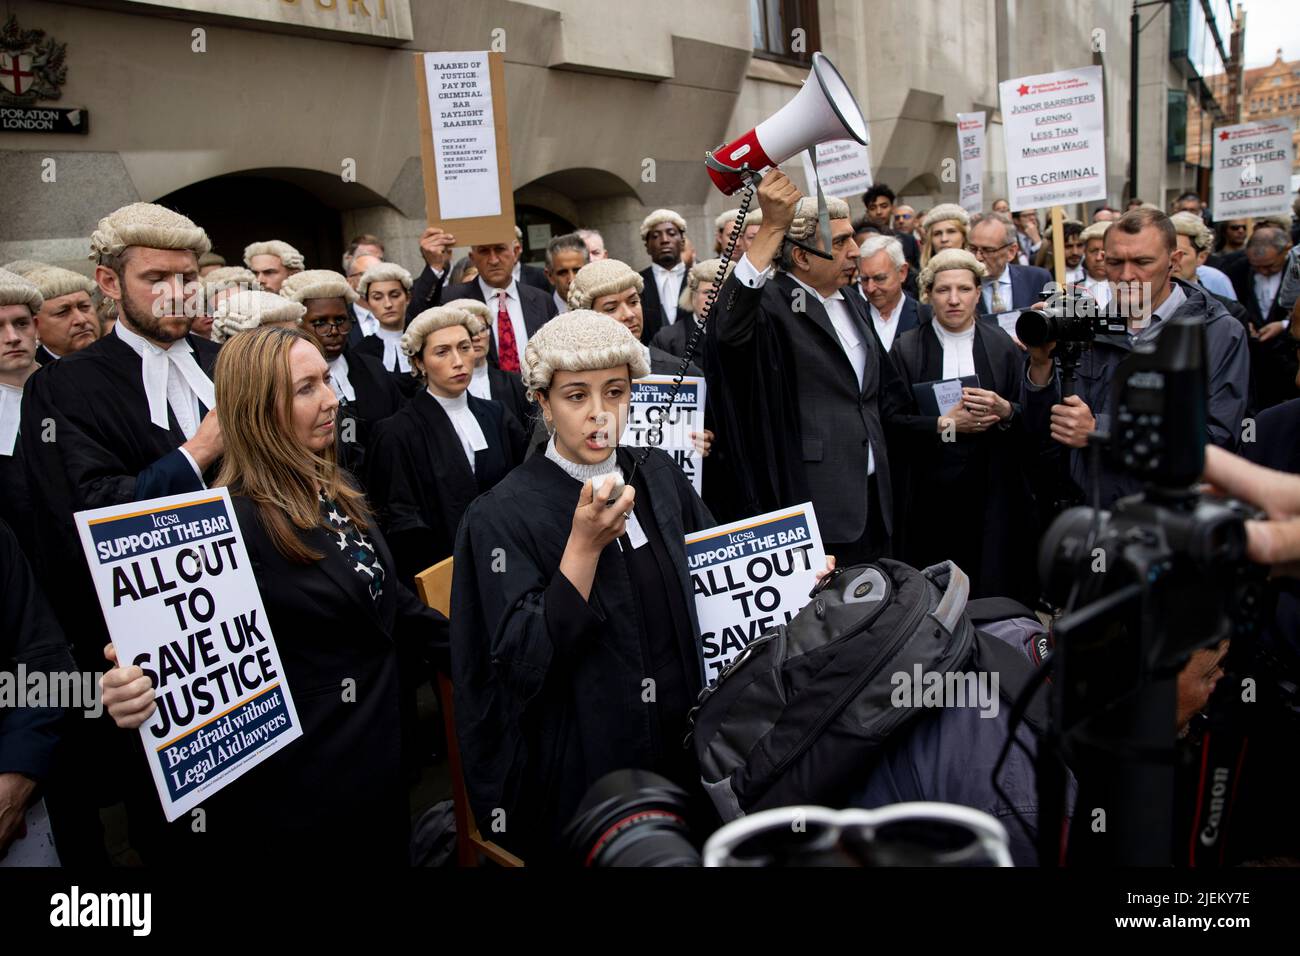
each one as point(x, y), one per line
point(20, 300)
point(966, 496)
point(273, 261)
point(946, 226)
point(563, 604)
point(487, 380)
point(66, 322)
point(664, 235)
point(366, 391)
point(385, 290)
point(442, 449)
point(131, 411)
point(243, 310)
point(801, 386)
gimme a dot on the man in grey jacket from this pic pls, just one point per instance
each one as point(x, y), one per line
point(1139, 264)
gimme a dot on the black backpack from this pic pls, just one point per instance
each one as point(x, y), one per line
point(801, 712)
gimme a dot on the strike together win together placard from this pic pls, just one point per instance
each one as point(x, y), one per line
point(181, 602)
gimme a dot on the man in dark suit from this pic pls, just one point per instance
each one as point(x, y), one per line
point(518, 310)
point(879, 200)
point(882, 273)
point(1008, 287)
point(1257, 280)
point(664, 235)
point(801, 383)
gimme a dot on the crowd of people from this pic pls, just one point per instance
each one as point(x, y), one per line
point(370, 422)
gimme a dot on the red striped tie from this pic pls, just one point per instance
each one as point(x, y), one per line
point(507, 350)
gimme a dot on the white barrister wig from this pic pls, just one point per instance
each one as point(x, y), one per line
point(289, 257)
point(212, 259)
point(435, 320)
point(316, 284)
point(804, 225)
point(229, 276)
point(753, 218)
point(482, 314)
point(247, 309)
point(602, 277)
point(942, 262)
point(945, 211)
point(579, 341)
point(725, 219)
point(701, 273)
point(15, 290)
point(384, 272)
point(54, 282)
point(658, 217)
point(1096, 231)
point(1192, 226)
point(146, 224)
point(23, 266)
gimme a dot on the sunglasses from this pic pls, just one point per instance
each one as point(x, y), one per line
point(904, 834)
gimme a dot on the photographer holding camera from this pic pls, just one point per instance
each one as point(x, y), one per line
point(1140, 249)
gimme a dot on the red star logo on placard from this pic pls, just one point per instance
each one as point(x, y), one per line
point(1022, 89)
point(1223, 135)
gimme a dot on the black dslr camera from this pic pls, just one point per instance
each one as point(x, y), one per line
point(1070, 317)
point(1144, 584)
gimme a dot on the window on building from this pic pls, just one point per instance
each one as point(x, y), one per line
point(785, 30)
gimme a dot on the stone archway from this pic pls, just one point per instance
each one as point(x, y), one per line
point(303, 207)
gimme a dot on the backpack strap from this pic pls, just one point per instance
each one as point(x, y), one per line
point(956, 589)
point(1014, 670)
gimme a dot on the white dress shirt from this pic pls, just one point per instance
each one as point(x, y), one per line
point(1003, 282)
point(958, 350)
point(1075, 275)
point(669, 284)
point(172, 379)
point(480, 386)
point(837, 310)
point(343, 389)
point(1266, 291)
point(394, 358)
point(886, 323)
point(366, 320)
point(514, 307)
point(467, 427)
point(560, 304)
point(11, 406)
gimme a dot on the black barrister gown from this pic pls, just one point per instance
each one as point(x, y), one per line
point(968, 500)
point(549, 687)
point(420, 481)
point(335, 796)
point(15, 500)
point(377, 397)
point(88, 443)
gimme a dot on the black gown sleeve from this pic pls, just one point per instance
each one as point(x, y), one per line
point(94, 473)
point(30, 636)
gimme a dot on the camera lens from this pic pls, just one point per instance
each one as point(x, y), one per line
point(1035, 328)
point(632, 818)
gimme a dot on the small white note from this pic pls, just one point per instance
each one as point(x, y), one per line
point(947, 394)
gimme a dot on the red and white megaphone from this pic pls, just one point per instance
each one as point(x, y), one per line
point(821, 111)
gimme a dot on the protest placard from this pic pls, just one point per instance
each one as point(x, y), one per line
point(181, 602)
point(647, 407)
point(970, 145)
point(1053, 127)
point(843, 166)
point(464, 145)
point(750, 576)
point(1252, 169)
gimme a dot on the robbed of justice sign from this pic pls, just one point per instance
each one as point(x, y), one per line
point(180, 599)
